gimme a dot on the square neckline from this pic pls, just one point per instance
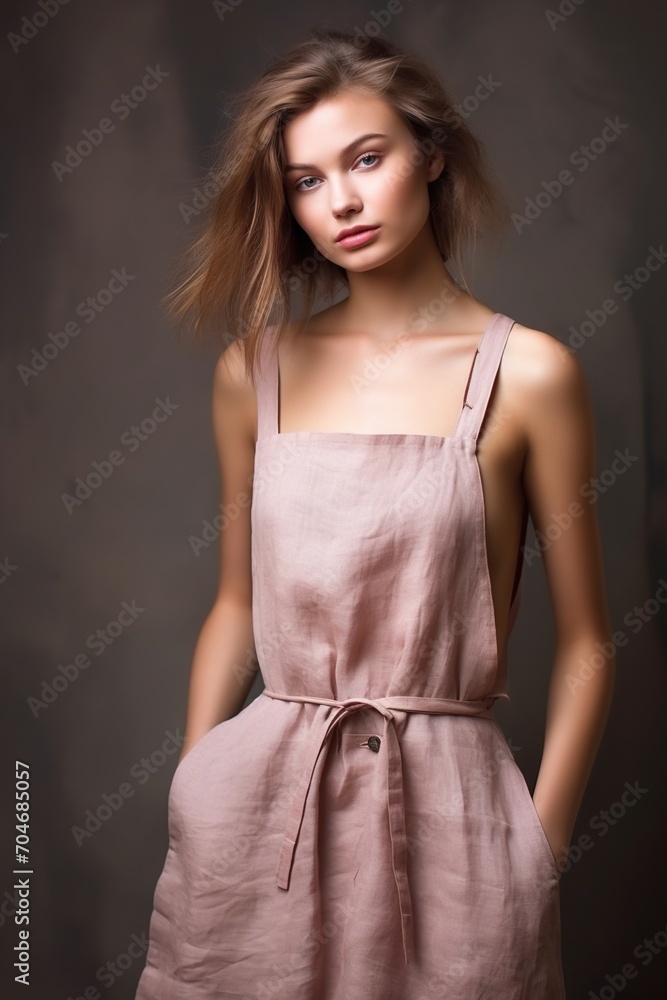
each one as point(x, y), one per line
point(386, 437)
point(468, 443)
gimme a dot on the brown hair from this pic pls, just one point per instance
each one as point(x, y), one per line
point(251, 252)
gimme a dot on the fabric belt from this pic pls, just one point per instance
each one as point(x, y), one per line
point(395, 800)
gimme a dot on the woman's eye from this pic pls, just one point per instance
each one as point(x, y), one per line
point(298, 187)
point(372, 155)
point(309, 187)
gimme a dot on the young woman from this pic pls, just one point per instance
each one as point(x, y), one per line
point(361, 828)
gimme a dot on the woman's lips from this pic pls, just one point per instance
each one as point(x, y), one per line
point(358, 239)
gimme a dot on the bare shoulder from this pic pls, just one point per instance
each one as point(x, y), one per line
point(544, 377)
point(234, 396)
point(230, 377)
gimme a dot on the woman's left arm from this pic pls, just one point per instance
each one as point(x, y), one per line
point(559, 481)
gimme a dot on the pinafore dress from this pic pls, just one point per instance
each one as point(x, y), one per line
point(361, 831)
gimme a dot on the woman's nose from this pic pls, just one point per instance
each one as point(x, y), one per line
point(344, 198)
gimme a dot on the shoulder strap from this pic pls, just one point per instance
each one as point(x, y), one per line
point(267, 386)
point(483, 375)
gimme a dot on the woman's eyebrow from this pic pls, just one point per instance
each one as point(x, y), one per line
point(343, 153)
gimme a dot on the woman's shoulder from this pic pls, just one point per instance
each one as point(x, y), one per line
point(230, 368)
point(541, 372)
point(539, 359)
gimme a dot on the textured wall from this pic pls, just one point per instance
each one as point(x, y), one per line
point(120, 560)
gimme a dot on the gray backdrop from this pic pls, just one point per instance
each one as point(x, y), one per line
point(120, 561)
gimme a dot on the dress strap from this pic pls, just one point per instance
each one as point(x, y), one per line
point(267, 386)
point(483, 375)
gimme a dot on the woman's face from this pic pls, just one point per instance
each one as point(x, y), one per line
point(379, 181)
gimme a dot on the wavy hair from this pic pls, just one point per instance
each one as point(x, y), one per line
point(251, 253)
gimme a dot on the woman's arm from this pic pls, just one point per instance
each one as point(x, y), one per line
point(559, 474)
point(224, 664)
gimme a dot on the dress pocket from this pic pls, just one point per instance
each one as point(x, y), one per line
point(528, 806)
point(539, 829)
point(192, 754)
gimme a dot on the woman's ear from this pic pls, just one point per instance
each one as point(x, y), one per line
point(435, 165)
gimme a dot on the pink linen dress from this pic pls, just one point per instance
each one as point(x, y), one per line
point(361, 831)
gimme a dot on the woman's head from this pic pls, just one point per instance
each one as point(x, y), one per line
point(367, 169)
point(265, 239)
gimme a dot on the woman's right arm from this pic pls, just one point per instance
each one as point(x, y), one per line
point(224, 664)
